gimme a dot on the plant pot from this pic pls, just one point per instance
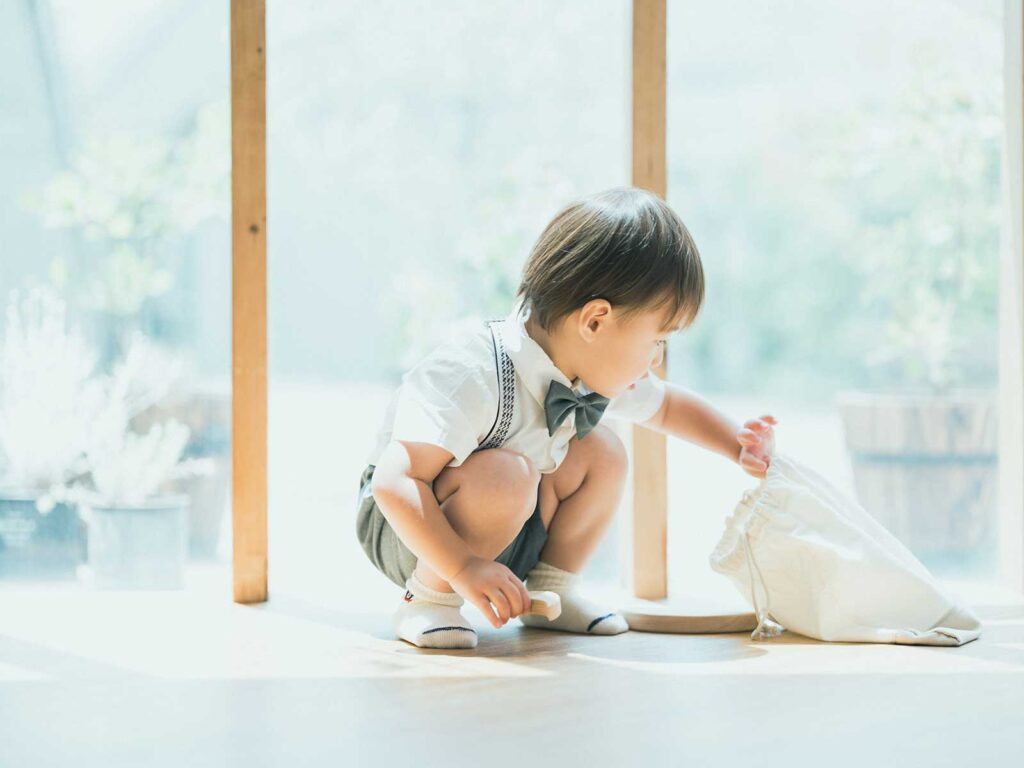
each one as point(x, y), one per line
point(926, 466)
point(34, 545)
point(206, 410)
point(208, 495)
point(138, 547)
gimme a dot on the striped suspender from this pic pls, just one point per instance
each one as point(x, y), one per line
point(506, 391)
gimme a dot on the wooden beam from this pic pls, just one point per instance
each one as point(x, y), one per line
point(650, 493)
point(249, 299)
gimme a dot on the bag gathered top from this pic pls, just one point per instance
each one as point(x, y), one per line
point(810, 559)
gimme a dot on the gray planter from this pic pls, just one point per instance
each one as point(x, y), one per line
point(140, 547)
point(206, 410)
point(34, 545)
point(926, 466)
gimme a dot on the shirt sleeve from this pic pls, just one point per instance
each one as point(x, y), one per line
point(447, 401)
point(638, 404)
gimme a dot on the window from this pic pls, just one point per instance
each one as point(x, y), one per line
point(839, 168)
point(116, 349)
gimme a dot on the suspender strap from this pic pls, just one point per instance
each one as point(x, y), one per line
point(506, 390)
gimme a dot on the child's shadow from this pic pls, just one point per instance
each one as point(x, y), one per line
point(515, 642)
point(547, 651)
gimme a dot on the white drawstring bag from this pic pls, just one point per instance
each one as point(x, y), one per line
point(811, 560)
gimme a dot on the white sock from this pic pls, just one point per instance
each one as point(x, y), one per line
point(431, 619)
point(578, 614)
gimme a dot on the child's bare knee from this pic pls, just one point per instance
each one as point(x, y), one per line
point(509, 483)
point(497, 493)
point(609, 453)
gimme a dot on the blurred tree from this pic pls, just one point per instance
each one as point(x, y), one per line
point(923, 188)
point(133, 200)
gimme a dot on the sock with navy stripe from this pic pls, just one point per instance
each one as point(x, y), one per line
point(578, 614)
point(431, 619)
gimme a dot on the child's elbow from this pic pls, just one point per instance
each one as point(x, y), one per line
point(382, 484)
point(393, 468)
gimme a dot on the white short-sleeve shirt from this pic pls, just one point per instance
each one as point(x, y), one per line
point(450, 398)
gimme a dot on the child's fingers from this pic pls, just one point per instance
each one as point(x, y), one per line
point(484, 606)
point(512, 598)
point(520, 590)
point(501, 603)
point(515, 600)
point(524, 593)
point(749, 461)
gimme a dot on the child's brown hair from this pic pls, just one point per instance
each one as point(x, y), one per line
point(625, 245)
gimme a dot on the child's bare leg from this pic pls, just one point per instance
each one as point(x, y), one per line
point(577, 503)
point(487, 500)
point(579, 499)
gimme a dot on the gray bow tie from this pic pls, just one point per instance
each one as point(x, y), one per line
point(560, 400)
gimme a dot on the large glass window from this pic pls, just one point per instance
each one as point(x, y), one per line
point(838, 165)
point(114, 203)
point(415, 152)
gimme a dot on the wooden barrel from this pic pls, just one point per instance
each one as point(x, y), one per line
point(925, 465)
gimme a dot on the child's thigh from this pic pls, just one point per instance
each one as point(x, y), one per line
point(491, 475)
point(491, 501)
point(602, 451)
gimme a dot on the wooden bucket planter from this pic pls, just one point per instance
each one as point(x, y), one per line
point(925, 465)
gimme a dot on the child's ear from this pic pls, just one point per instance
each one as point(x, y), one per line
point(595, 312)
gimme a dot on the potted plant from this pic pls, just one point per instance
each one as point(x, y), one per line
point(48, 397)
point(137, 536)
point(924, 454)
point(206, 410)
point(135, 206)
point(137, 532)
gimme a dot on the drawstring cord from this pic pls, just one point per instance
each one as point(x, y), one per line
point(766, 628)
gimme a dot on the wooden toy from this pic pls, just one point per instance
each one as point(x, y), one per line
point(547, 604)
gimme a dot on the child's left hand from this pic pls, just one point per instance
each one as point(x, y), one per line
point(758, 441)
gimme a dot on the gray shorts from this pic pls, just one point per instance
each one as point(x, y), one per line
point(392, 558)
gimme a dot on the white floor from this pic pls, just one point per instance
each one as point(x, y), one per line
point(190, 678)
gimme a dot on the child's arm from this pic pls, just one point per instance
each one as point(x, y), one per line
point(401, 488)
point(686, 415)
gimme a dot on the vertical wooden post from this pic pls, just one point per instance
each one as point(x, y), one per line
point(650, 493)
point(249, 299)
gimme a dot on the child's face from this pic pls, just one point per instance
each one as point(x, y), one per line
point(620, 351)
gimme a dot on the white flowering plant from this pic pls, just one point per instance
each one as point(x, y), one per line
point(127, 469)
point(49, 395)
point(65, 429)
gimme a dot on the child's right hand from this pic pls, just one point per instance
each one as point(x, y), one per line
point(483, 582)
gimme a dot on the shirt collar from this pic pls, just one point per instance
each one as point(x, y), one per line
point(532, 363)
